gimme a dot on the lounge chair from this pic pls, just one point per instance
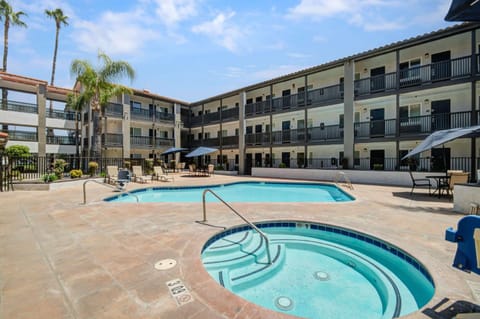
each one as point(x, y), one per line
point(192, 169)
point(211, 169)
point(112, 174)
point(420, 182)
point(160, 175)
point(138, 174)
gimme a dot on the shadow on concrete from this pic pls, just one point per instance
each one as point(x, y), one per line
point(446, 309)
point(422, 197)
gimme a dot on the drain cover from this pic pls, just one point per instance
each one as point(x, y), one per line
point(165, 264)
point(321, 275)
point(284, 303)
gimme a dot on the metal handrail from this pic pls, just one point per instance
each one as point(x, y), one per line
point(262, 234)
point(107, 185)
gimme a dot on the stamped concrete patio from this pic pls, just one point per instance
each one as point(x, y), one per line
point(62, 259)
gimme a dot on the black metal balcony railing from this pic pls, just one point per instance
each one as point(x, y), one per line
point(326, 94)
point(110, 139)
point(163, 116)
point(375, 84)
point(63, 115)
point(164, 142)
point(19, 106)
point(261, 107)
point(434, 122)
point(61, 140)
point(376, 128)
point(141, 140)
point(230, 114)
point(230, 141)
point(114, 110)
point(257, 139)
point(141, 114)
point(27, 136)
point(324, 132)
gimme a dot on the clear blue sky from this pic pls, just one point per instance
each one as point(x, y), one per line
point(194, 49)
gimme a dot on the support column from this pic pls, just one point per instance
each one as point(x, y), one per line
point(42, 120)
point(177, 129)
point(241, 133)
point(126, 126)
point(348, 112)
point(473, 117)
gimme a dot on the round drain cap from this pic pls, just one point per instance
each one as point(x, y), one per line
point(284, 303)
point(165, 264)
point(321, 275)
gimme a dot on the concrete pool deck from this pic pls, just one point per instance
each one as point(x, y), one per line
point(62, 259)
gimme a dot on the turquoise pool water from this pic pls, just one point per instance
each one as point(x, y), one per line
point(241, 192)
point(318, 271)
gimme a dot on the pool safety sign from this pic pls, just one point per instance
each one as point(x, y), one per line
point(179, 292)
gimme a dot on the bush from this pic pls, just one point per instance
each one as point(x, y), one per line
point(17, 151)
point(76, 173)
point(47, 178)
point(92, 168)
point(59, 167)
point(219, 168)
point(282, 165)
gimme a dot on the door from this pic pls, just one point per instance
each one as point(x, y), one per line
point(300, 131)
point(258, 134)
point(440, 111)
point(249, 138)
point(377, 79)
point(441, 67)
point(248, 163)
point(286, 132)
point(301, 96)
point(377, 122)
point(377, 160)
point(440, 159)
point(286, 99)
point(286, 159)
point(258, 159)
point(300, 160)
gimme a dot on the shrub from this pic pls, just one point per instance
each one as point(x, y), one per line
point(17, 151)
point(219, 168)
point(59, 167)
point(47, 178)
point(76, 173)
point(282, 165)
point(92, 168)
point(127, 164)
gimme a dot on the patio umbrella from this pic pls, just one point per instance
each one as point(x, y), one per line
point(200, 151)
point(464, 10)
point(441, 137)
point(173, 150)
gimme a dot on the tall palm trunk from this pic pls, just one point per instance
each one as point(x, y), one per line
point(5, 53)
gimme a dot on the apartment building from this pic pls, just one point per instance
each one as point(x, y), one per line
point(364, 111)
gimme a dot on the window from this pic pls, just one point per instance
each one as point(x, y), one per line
point(236, 132)
point(135, 105)
point(224, 133)
point(408, 111)
point(163, 134)
point(199, 136)
point(340, 121)
point(258, 99)
point(249, 101)
point(410, 69)
point(207, 135)
point(135, 131)
point(357, 117)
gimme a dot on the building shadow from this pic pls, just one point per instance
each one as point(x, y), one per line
point(446, 309)
point(423, 197)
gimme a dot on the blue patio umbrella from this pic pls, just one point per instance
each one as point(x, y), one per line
point(464, 10)
point(173, 150)
point(200, 151)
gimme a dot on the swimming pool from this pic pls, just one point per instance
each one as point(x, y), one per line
point(241, 192)
point(318, 271)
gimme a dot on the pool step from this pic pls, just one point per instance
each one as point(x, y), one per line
point(229, 244)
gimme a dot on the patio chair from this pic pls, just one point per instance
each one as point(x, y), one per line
point(138, 174)
point(456, 177)
point(160, 175)
point(211, 169)
point(420, 182)
point(192, 169)
point(112, 174)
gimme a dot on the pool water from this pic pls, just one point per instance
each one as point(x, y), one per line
point(318, 271)
point(241, 192)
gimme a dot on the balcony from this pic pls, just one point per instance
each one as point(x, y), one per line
point(377, 128)
point(325, 133)
point(257, 139)
point(230, 141)
point(141, 114)
point(164, 117)
point(262, 107)
point(62, 115)
point(19, 107)
point(429, 123)
point(164, 142)
point(288, 136)
point(26, 136)
point(230, 114)
point(112, 140)
point(61, 140)
point(114, 110)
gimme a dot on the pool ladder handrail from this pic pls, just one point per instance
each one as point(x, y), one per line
point(338, 177)
point(104, 184)
point(261, 233)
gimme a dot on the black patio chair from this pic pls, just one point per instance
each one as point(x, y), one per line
point(420, 182)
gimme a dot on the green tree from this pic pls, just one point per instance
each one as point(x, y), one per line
point(18, 151)
point(60, 19)
point(9, 17)
point(98, 88)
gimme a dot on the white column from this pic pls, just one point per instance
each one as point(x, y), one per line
point(241, 133)
point(348, 112)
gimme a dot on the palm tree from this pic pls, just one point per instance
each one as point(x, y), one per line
point(60, 19)
point(98, 88)
point(77, 103)
point(9, 17)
